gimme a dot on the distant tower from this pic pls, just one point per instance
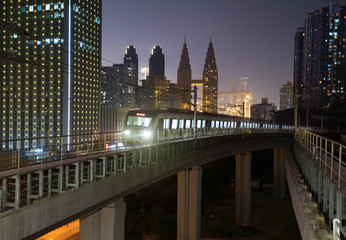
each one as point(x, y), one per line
point(184, 70)
point(157, 62)
point(234, 85)
point(243, 84)
point(184, 76)
point(132, 57)
point(210, 79)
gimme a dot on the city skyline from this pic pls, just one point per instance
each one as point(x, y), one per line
point(261, 43)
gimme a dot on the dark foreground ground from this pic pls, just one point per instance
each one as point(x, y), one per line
point(270, 218)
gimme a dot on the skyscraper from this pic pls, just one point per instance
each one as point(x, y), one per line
point(324, 78)
point(243, 83)
point(298, 65)
point(157, 62)
point(132, 57)
point(155, 89)
point(286, 96)
point(184, 76)
point(210, 81)
point(56, 91)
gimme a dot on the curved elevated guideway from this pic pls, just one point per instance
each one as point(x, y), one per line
point(49, 194)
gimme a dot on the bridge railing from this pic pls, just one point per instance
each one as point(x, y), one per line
point(329, 155)
point(20, 153)
point(32, 151)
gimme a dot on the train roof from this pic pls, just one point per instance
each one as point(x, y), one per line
point(156, 111)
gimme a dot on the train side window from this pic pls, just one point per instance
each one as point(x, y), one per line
point(225, 124)
point(166, 123)
point(217, 124)
point(198, 123)
point(221, 124)
point(188, 123)
point(212, 124)
point(174, 123)
point(181, 123)
point(203, 123)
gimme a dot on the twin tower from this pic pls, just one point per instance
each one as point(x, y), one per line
point(208, 83)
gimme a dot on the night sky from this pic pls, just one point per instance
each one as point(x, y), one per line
point(255, 36)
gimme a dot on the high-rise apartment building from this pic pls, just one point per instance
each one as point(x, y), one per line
point(298, 65)
point(184, 78)
point(56, 91)
point(286, 96)
point(118, 87)
point(324, 77)
point(131, 60)
point(210, 81)
point(157, 62)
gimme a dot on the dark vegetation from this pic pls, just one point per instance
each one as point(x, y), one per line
point(153, 209)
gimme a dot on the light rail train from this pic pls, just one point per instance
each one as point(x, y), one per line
point(152, 125)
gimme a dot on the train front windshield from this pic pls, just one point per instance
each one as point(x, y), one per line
point(138, 121)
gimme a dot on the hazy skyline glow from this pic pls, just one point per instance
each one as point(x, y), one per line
point(248, 36)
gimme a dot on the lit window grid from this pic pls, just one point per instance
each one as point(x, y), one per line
point(41, 102)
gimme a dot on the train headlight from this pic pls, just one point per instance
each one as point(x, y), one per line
point(127, 132)
point(147, 134)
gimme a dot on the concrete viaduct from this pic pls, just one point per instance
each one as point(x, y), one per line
point(91, 188)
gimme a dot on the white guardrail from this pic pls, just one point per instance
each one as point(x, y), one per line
point(327, 154)
point(337, 229)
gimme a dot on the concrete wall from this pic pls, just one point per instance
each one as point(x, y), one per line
point(310, 221)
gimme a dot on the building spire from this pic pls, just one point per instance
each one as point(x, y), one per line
point(211, 36)
point(184, 38)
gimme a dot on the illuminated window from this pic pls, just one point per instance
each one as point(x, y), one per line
point(47, 6)
point(31, 8)
point(39, 8)
point(56, 15)
point(62, 5)
point(23, 9)
point(56, 6)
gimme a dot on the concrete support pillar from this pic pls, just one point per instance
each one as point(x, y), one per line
point(90, 227)
point(243, 189)
point(189, 204)
point(279, 172)
point(195, 195)
point(182, 205)
point(105, 224)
